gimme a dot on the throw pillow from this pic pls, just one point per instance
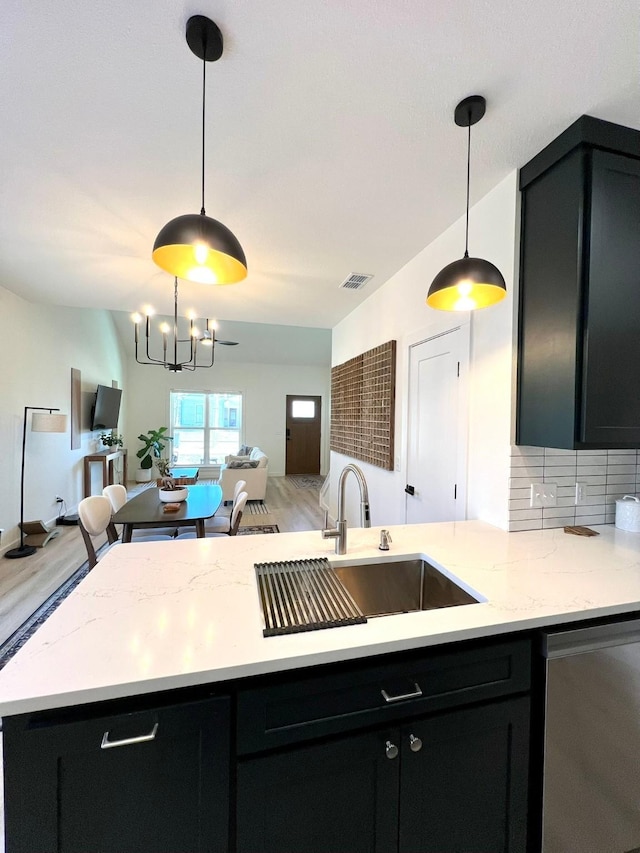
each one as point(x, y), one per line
point(240, 463)
point(245, 450)
point(232, 458)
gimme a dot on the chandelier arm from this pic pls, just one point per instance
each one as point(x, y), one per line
point(149, 359)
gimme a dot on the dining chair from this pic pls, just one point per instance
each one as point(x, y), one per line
point(94, 519)
point(222, 523)
point(233, 523)
point(118, 496)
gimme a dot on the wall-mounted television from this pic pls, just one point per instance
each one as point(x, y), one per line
point(106, 408)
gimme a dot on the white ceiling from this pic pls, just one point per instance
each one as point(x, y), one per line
point(330, 135)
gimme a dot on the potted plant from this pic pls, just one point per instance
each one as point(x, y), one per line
point(169, 492)
point(110, 439)
point(153, 443)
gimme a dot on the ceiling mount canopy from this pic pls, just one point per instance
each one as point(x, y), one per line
point(195, 246)
point(469, 283)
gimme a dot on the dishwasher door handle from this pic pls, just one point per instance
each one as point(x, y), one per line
point(560, 644)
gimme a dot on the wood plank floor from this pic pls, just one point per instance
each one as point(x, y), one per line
point(26, 583)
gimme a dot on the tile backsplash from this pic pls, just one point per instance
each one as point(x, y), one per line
point(606, 475)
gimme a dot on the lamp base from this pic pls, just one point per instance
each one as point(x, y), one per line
point(68, 520)
point(22, 551)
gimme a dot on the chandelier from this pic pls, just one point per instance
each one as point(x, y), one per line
point(178, 353)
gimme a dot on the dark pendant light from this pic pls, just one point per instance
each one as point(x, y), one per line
point(469, 283)
point(195, 246)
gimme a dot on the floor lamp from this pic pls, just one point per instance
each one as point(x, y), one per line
point(39, 423)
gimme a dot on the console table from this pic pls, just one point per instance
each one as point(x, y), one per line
point(106, 458)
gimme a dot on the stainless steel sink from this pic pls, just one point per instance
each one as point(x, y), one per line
point(400, 586)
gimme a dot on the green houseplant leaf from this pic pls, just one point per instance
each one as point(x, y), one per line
point(153, 443)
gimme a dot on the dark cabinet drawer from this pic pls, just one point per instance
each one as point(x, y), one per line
point(378, 691)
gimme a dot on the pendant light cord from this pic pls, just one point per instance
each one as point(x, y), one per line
point(204, 85)
point(466, 236)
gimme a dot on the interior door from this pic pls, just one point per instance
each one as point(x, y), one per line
point(303, 434)
point(435, 461)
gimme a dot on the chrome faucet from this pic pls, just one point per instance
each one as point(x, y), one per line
point(339, 532)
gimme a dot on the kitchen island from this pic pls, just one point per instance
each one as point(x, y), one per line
point(158, 625)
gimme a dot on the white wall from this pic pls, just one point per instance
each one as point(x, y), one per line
point(398, 311)
point(39, 344)
point(264, 386)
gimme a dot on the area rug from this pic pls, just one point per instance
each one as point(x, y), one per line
point(28, 628)
point(250, 529)
point(15, 642)
point(306, 481)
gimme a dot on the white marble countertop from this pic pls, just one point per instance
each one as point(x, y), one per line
point(162, 615)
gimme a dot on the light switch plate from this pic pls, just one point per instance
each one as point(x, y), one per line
point(544, 494)
point(581, 493)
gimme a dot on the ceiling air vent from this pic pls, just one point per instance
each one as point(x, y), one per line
point(355, 281)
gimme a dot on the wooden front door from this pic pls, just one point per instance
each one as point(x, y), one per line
point(303, 434)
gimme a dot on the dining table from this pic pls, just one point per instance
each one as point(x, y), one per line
point(146, 510)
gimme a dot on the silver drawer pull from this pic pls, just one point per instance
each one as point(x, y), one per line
point(416, 693)
point(107, 744)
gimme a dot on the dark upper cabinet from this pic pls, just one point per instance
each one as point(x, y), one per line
point(579, 322)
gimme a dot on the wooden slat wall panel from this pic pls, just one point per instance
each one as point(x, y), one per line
point(363, 406)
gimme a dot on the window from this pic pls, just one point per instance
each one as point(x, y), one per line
point(205, 427)
point(303, 409)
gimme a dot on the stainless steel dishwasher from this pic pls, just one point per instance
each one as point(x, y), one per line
point(591, 801)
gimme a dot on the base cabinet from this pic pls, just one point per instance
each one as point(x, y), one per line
point(418, 752)
point(465, 786)
point(149, 781)
point(449, 782)
point(334, 796)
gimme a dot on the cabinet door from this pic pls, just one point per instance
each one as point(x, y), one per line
point(463, 784)
point(153, 780)
point(338, 796)
point(611, 400)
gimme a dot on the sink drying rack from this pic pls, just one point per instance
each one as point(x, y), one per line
point(303, 595)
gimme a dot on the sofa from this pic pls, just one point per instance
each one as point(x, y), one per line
point(245, 468)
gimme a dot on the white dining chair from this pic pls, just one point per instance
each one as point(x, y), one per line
point(94, 519)
point(222, 523)
point(232, 523)
point(118, 496)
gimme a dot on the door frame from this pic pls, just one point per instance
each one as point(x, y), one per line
point(421, 337)
point(317, 397)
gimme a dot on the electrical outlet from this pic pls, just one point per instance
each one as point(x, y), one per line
point(581, 493)
point(544, 494)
